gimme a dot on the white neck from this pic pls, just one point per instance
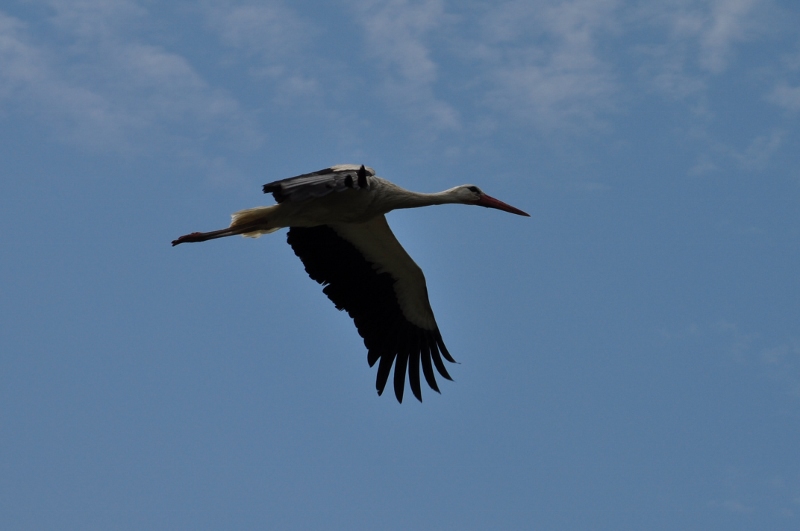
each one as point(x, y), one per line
point(397, 197)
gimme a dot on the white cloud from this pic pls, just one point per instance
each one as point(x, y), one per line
point(758, 153)
point(282, 44)
point(785, 96)
point(396, 33)
point(267, 28)
point(755, 156)
point(91, 86)
point(542, 63)
point(689, 41)
point(775, 359)
point(782, 364)
point(726, 24)
point(691, 52)
point(703, 166)
point(20, 63)
point(105, 73)
point(30, 80)
point(96, 19)
point(785, 92)
point(732, 506)
point(665, 70)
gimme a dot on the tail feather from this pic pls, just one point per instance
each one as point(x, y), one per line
point(254, 218)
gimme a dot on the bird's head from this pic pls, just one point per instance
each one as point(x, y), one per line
point(469, 194)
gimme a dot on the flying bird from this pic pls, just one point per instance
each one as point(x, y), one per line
point(338, 230)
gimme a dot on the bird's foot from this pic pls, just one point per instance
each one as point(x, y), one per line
point(193, 237)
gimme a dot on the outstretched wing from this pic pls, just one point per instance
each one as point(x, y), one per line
point(320, 183)
point(367, 272)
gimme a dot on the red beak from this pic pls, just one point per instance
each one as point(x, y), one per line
point(490, 202)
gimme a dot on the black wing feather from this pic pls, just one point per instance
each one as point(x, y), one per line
point(400, 364)
point(352, 284)
point(413, 367)
point(437, 361)
point(442, 348)
point(384, 370)
point(427, 368)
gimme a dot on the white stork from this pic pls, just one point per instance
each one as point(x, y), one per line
point(338, 229)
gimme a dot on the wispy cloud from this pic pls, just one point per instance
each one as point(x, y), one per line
point(731, 506)
point(395, 37)
point(103, 73)
point(687, 44)
point(775, 359)
point(760, 150)
point(785, 93)
point(88, 20)
point(267, 28)
point(687, 52)
point(277, 37)
point(541, 61)
point(20, 63)
point(96, 87)
point(782, 363)
point(31, 81)
point(785, 96)
point(725, 23)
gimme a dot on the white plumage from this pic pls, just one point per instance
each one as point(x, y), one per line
point(338, 229)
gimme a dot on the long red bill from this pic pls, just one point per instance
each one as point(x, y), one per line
point(490, 202)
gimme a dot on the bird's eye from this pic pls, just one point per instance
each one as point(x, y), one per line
point(474, 189)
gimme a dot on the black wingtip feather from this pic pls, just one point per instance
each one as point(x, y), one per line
point(372, 356)
point(427, 367)
point(443, 349)
point(400, 375)
point(413, 371)
point(437, 360)
point(384, 369)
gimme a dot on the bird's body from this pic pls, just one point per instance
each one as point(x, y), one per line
point(338, 230)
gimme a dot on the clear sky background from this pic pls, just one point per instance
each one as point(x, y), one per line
point(629, 355)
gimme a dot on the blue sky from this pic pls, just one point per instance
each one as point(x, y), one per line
point(629, 355)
